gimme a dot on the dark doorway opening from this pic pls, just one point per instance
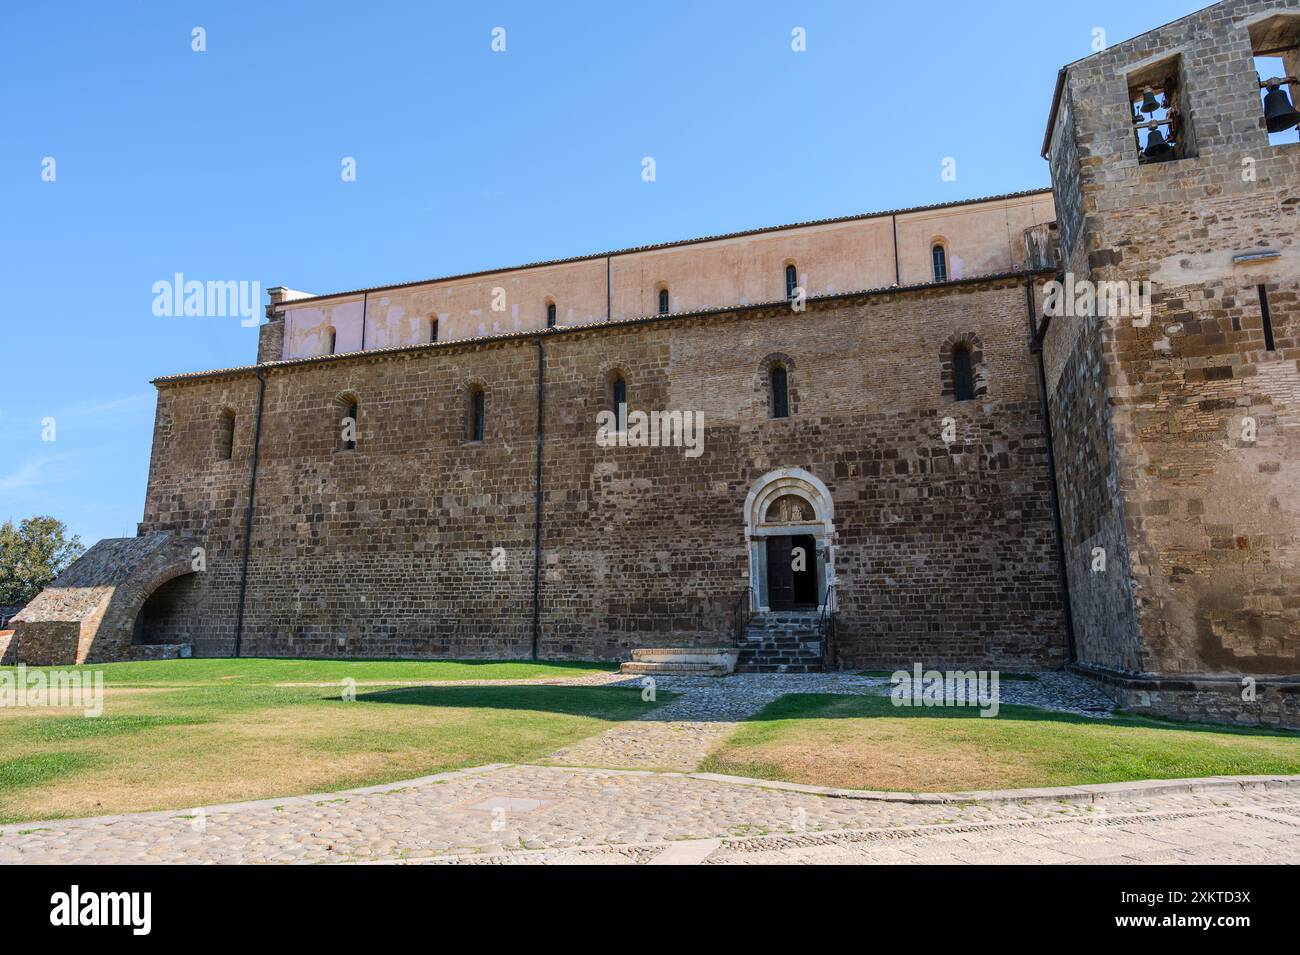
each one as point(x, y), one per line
point(792, 572)
point(164, 617)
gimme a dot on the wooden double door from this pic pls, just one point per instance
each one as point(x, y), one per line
point(792, 572)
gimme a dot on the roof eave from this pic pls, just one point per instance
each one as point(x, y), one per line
point(1056, 105)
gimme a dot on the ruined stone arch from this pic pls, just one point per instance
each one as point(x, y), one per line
point(89, 613)
point(979, 371)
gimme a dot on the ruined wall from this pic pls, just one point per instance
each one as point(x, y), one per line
point(1211, 522)
point(944, 554)
point(88, 613)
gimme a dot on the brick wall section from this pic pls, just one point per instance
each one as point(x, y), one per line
point(944, 556)
point(1211, 523)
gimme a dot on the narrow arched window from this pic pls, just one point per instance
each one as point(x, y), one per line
point(939, 259)
point(963, 378)
point(349, 411)
point(433, 329)
point(226, 435)
point(331, 340)
point(779, 379)
point(663, 301)
point(619, 390)
point(791, 280)
point(477, 414)
point(550, 314)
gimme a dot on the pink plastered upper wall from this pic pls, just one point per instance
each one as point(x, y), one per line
point(979, 238)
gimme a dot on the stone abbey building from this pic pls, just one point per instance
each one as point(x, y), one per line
point(908, 451)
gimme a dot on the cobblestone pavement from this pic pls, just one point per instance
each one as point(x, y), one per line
point(554, 814)
point(558, 814)
point(1161, 831)
point(682, 732)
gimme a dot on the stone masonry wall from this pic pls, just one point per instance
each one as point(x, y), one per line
point(945, 555)
point(1211, 512)
point(1087, 477)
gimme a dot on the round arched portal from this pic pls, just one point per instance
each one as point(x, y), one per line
point(790, 529)
point(162, 617)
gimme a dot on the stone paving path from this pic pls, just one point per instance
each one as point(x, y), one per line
point(559, 814)
point(682, 732)
point(1161, 831)
point(503, 813)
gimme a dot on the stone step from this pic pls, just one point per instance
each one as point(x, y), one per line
point(681, 654)
point(683, 661)
point(779, 668)
point(673, 669)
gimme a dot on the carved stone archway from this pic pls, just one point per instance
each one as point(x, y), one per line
point(789, 501)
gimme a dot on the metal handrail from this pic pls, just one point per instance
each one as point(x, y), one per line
point(742, 606)
point(826, 625)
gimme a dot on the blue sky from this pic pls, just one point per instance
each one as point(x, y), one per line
point(225, 164)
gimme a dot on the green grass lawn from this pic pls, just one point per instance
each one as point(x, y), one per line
point(865, 742)
point(225, 671)
point(186, 733)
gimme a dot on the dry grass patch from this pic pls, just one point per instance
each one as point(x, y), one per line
point(864, 742)
point(213, 740)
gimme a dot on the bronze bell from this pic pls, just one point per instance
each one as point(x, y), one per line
point(1279, 114)
point(1157, 147)
point(1149, 104)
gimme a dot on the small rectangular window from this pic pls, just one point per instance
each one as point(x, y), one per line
point(226, 436)
point(963, 382)
point(939, 258)
point(476, 417)
point(780, 393)
point(1267, 317)
point(350, 428)
point(620, 403)
point(550, 314)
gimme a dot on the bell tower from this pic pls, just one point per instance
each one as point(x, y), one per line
point(1175, 162)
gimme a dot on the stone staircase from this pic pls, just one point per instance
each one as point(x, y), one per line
point(682, 661)
point(781, 642)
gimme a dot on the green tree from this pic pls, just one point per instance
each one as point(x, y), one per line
point(33, 554)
